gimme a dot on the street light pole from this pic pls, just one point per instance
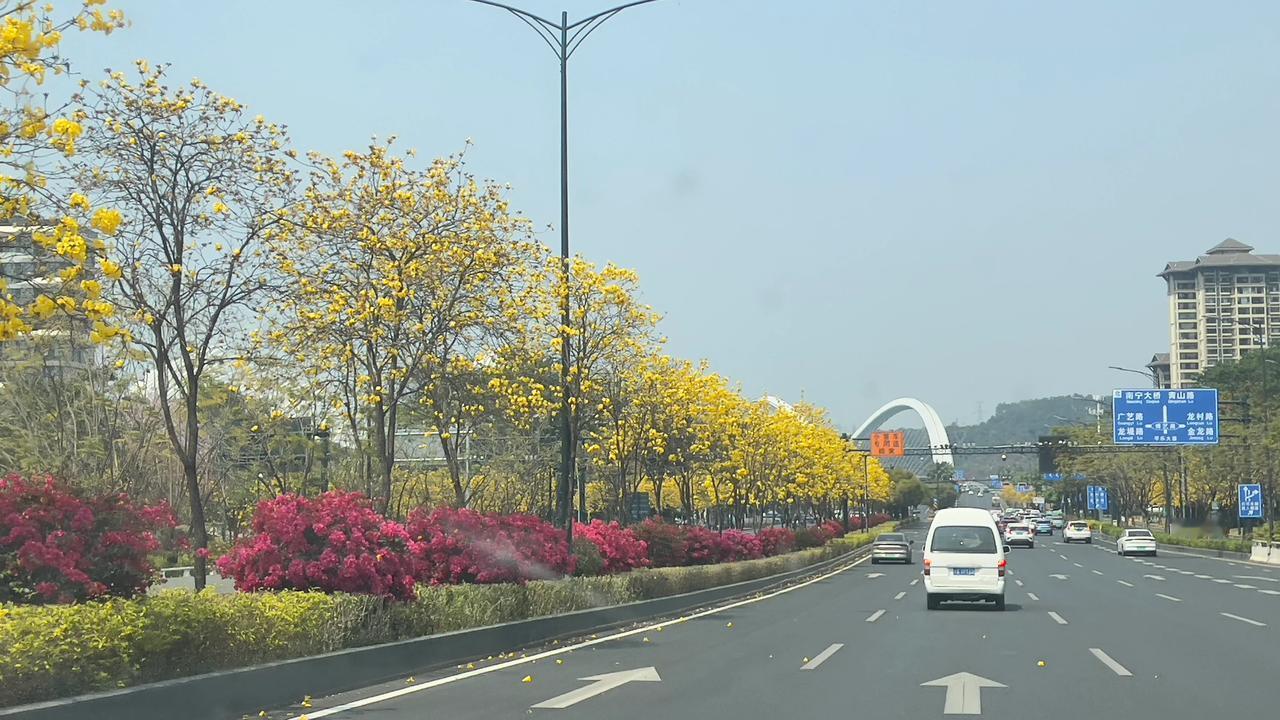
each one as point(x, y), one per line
point(564, 38)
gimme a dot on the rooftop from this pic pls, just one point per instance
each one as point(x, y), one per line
point(1226, 254)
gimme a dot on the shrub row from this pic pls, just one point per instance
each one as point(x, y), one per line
point(59, 650)
point(1240, 546)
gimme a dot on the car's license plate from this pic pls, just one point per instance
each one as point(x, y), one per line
point(964, 571)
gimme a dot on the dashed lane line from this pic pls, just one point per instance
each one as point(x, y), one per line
point(1057, 618)
point(1114, 666)
point(1242, 619)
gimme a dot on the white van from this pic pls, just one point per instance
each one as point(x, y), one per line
point(964, 558)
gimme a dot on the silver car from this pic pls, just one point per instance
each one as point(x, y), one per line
point(891, 546)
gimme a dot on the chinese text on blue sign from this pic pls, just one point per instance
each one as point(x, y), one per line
point(1250, 500)
point(1165, 417)
point(1096, 497)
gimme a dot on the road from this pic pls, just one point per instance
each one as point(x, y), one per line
point(1086, 634)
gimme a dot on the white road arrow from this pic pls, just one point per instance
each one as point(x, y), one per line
point(1060, 577)
point(964, 692)
point(602, 683)
point(1155, 577)
point(875, 575)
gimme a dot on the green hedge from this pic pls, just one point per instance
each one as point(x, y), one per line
point(51, 651)
point(1240, 546)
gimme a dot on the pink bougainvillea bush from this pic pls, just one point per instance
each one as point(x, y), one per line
point(739, 545)
point(665, 542)
point(59, 547)
point(335, 542)
point(465, 546)
point(831, 530)
point(620, 549)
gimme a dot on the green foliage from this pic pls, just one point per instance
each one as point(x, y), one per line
point(589, 561)
point(1022, 421)
point(59, 650)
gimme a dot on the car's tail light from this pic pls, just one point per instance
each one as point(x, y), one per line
point(927, 563)
point(1001, 567)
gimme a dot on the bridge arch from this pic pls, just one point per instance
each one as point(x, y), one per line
point(932, 425)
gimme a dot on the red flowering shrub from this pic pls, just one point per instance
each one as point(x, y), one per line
point(831, 530)
point(855, 523)
point(738, 545)
point(56, 546)
point(618, 546)
point(702, 546)
point(810, 537)
point(665, 542)
point(465, 546)
point(775, 541)
point(335, 542)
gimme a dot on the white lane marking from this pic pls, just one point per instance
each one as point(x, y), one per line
point(873, 576)
point(964, 692)
point(875, 616)
point(822, 656)
point(1184, 572)
point(1033, 597)
point(400, 692)
point(1126, 584)
point(1168, 597)
point(1019, 583)
point(900, 595)
point(1221, 581)
point(1242, 586)
point(1243, 619)
point(1077, 564)
point(913, 582)
point(1116, 667)
point(1057, 618)
point(1205, 577)
point(1255, 577)
point(1096, 572)
point(1270, 592)
point(1060, 577)
point(1155, 577)
point(601, 684)
point(1064, 557)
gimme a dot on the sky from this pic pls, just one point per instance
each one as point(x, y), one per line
point(837, 201)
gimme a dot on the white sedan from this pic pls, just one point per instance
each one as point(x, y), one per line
point(1019, 534)
point(1136, 541)
point(1077, 530)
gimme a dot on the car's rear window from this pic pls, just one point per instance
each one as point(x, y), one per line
point(963, 539)
point(892, 537)
point(1140, 533)
point(1077, 525)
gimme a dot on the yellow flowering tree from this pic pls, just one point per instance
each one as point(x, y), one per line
point(194, 187)
point(33, 138)
point(401, 281)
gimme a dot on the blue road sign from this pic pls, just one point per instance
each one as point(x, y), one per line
point(958, 475)
point(997, 484)
point(1096, 497)
point(1165, 417)
point(1250, 500)
point(1052, 477)
point(1078, 477)
point(1024, 488)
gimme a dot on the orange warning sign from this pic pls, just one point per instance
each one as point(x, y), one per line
point(887, 444)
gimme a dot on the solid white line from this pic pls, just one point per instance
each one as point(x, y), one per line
point(899, 595)
point(1243, 619)
point(1205, 577)
point(1096, 572)
point(1116, 667)
point(1168, 597)
point(1126, 584)
point(1184, 572)
point(1243, 586)
point(1033, 597)
point(822, 656)
point(1221, 581)
point(1057, 618)
point(400, 692)
point(875, 616)
point(913, 582)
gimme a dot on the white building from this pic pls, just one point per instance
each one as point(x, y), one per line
point(1221, 305)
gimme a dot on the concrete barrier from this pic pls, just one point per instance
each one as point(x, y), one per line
point(1265, 552)
point(245, 691)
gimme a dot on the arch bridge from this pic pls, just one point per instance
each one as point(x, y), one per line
point(933, 425)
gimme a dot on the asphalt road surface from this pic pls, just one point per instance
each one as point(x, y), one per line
point(1086, 634)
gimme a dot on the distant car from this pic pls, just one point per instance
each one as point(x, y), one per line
point(1044, 527)
point(1019, 534)
point(1077, 530)
point(891, 546)
point(1057, 521)
point(1136, 541)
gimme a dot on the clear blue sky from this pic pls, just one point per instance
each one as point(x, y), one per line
point(964, 202)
